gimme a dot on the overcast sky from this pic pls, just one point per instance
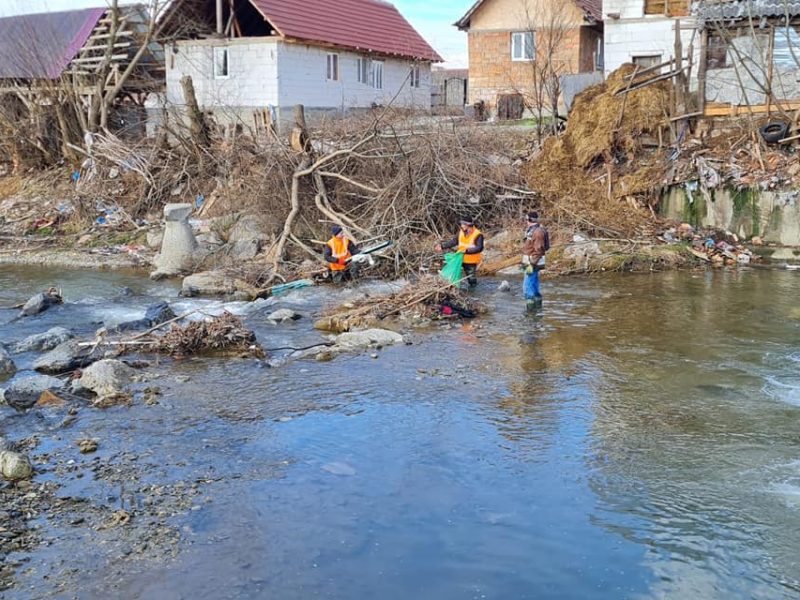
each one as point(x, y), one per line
point(433, 19)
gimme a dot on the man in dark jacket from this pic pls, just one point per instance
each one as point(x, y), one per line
point(534, 247)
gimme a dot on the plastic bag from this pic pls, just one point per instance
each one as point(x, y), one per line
point(453, 262)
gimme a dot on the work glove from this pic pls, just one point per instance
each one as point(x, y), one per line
point(529, 270)
point(342, 261)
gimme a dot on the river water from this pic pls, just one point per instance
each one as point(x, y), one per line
point(639, 439)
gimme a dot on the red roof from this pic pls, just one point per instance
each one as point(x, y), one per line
point(366, 25)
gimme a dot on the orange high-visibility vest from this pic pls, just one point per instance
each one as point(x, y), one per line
point(465, 241)
point(340, 248)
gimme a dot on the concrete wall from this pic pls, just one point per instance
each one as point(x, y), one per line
point(270, 72)
point(637, 34)
point(773, 216)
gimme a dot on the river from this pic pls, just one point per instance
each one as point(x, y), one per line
point(638, 439)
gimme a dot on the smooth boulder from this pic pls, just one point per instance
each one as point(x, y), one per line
point(216, 283)
point(23, 393)
point(105, 378)
point(356, 340)
point(43, 342)
point(282, 315)
point(15, 466)
point(61, 359)
point(41, 302)
point(156, 314)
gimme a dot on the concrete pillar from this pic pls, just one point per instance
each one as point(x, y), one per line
point(179, 244)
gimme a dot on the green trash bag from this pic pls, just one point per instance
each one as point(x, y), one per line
point(453, 262)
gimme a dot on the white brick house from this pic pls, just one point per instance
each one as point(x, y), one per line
point(306, 52)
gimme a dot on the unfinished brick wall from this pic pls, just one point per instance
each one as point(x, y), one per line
point(492, 72)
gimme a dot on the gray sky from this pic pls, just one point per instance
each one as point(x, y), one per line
point(434, 20)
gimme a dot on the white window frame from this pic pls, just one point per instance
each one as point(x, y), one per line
point(363, 70)
point(376, 74)
point(415, 76)
point(332, 62)
point(522, 46)
point(224, 52)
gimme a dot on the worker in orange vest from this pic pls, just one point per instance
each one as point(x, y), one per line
point(469, 241)
point(338, 252)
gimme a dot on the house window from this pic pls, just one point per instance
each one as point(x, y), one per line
point(522, 45)
point(333, 67)
point(364, 70)
point(647, 61)
point(786, 50)
point(377, 74)
point(716, 52)
point(220, 63)
point(415, 76)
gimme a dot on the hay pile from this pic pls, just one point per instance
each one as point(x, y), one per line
point(603, 140)
point(223, 334)
point(424, 298)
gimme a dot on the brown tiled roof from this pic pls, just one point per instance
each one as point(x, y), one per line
point(365, 25)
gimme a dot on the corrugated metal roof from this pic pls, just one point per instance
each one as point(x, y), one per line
point(592, 11)
point(367, 25)
point(40, 46)
point(743, 9)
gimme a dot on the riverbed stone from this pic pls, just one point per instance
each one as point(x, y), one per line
point(22, 393)
point(356, 340)
point(282, 315)
point(41, 302)
point(44, 341)
point(7, 366)
point(15, 466)
point(216, 283)
point(61, 359)
point(581, 251)
point(107, 377)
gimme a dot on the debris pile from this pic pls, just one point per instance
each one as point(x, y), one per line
point(223, 334)
point(711, 245)
point(428, 298)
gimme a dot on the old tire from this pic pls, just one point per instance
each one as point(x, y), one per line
point(774, 132)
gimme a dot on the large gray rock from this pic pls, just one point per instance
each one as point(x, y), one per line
point(107, 377)
point(41, 302)
point(246, 228)
point(15, 466)
point(7, 366)
point(581, 251)
point(23, 393)
point(245, 249)
point(44, 341)
point(357, 340)
point(61, 359)
point(179, 245)
point(216, 283)
point(156, 314)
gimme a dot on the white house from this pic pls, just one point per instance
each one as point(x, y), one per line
point(643, 32)
point(330, 56)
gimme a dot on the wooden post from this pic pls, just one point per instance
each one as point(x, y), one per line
point(680, 101)
point(197, 122)
point(220, 25)
point(701, 68)
point(770, 53)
